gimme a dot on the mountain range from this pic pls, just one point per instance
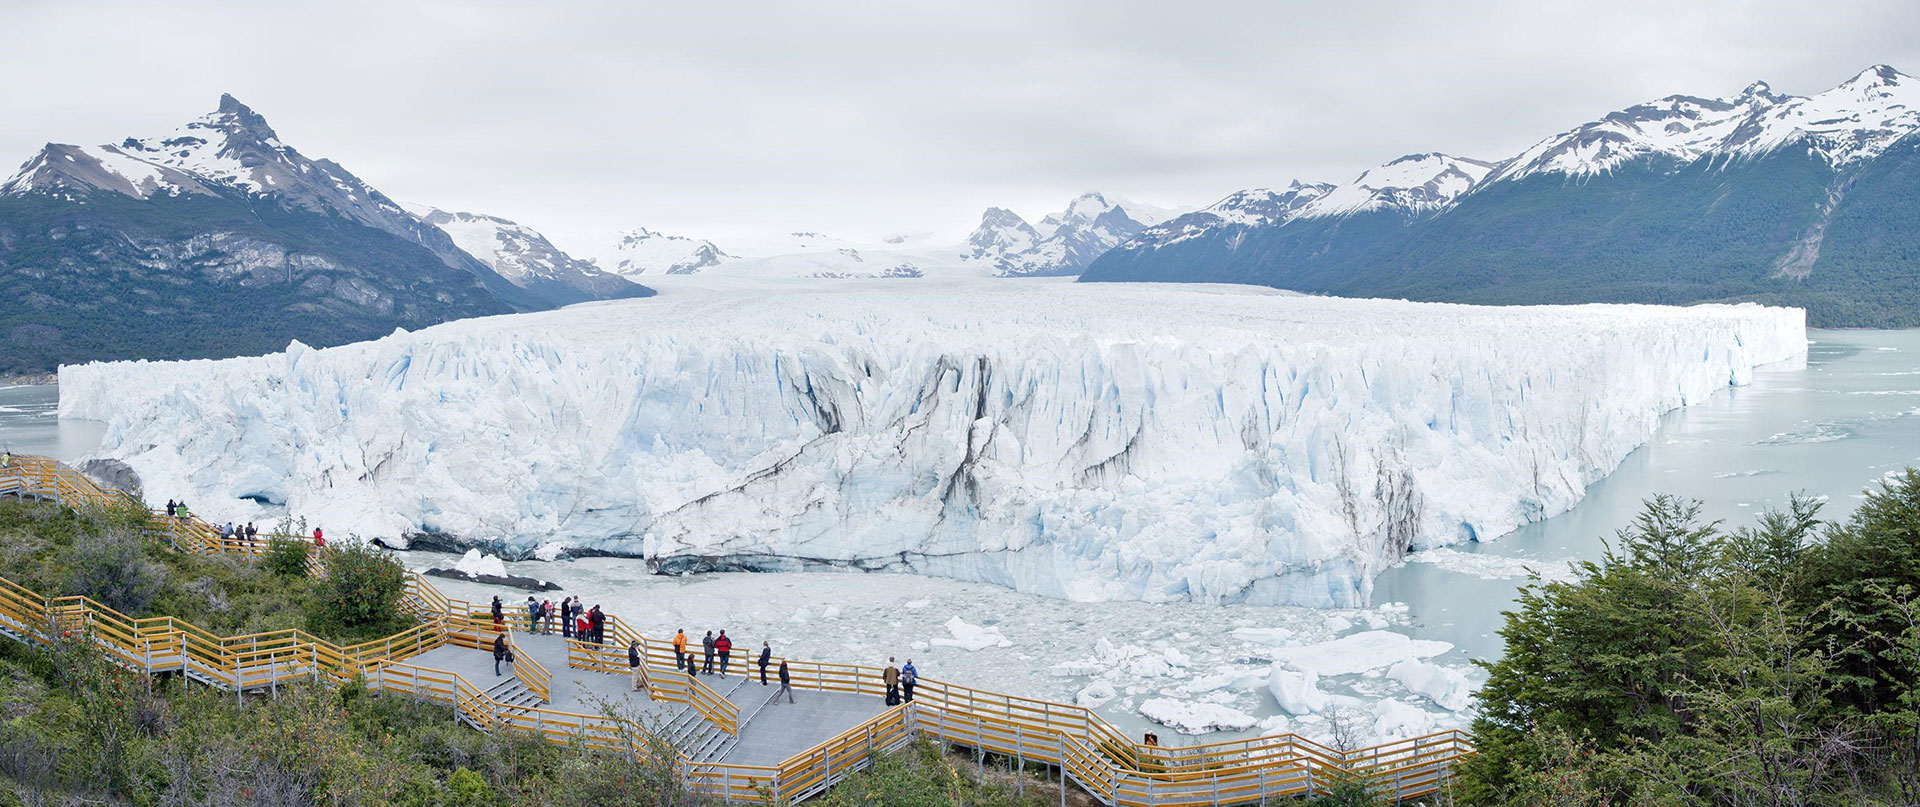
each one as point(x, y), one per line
point(1807, 201)
point(219, 239)
point(1003, 245)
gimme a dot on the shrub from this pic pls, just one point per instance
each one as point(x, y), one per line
point(287, 558)
point(112, 567)
point(359, 598)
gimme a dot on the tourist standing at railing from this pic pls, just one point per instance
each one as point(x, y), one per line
point(892, 679)
point(638, 665)
point(253, 535)
point(786, 684)
point(583, 628)
point(533, 614)
point(598, 619)
point(680, 650)
point(180, 510)
point(319, 540)
point(501, 652)
point(546, 616)
point(766, 657)
point(170, 507)
point(723, 646)
point(707, 643)
point(566, 618)
point(495, 610)
point(908, 677)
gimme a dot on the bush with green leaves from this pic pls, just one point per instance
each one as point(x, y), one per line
point(1774, 664)
point(359, 596)
point(287, 557)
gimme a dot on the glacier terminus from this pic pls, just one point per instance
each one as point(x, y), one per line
point(1084, 441)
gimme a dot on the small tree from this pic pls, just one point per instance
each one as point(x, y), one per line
point(287, 557)
point(359, 598)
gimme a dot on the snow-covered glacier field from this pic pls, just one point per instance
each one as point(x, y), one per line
point(1081, 441)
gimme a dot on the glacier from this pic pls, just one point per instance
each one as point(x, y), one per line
point(1091, 442)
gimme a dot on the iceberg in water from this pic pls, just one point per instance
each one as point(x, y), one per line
point(1084, 441)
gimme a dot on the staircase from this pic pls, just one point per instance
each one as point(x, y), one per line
point(514, 699)
point(696, 736)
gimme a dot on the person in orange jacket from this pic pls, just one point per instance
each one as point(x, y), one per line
point(680, 650)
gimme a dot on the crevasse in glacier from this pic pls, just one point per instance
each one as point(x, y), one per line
point(1082, 441)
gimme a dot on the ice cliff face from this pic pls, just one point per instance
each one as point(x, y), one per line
point(1080, 441)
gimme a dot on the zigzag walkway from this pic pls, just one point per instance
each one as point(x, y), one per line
point(730, 739)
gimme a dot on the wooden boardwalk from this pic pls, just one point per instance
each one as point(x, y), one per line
point(726, 735)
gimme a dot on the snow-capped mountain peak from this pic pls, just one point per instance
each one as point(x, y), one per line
point(1415, 184)
point(1240, 211)
point(640, 251)
point(1855, 120)
point(525, 257)
point(1001, 232)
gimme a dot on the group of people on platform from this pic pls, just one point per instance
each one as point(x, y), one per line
point(900, 682)
point(715, 651)
point(721, 648)
point(574, 618)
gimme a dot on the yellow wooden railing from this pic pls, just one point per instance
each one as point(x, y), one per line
point(1098, 757)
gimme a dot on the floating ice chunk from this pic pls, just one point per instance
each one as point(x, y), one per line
point(1069, 669)
point(550, 551)
point(968, 636)
point(1297, 692)
point(1096, 695)
point(1338, 623)
point(1189, 717)
point(475, 563)
point(799, 615)
point(1359, 652)
point(1275, 725)
point(1176, 658)
point(1444, 686)
point(1273, 636)
point(831, 612)
point(1394, 720)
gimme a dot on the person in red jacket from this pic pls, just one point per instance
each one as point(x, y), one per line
point(723, 646)
point(318, 539)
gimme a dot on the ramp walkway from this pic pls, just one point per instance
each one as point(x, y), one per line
point(724, 733)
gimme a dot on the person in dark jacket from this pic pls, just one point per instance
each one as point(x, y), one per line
point(169, 508)
point(598, 621)
point(766, 657)
point(533, 614)
point(497, 617)
point(638, 665)
point(501, 653)
point(908, 677)
point(566, 618)
point(707, 643)
point(723, 646)
point(892, 679)
point(786, 684)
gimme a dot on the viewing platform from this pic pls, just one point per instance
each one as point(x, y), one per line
point(725, 734)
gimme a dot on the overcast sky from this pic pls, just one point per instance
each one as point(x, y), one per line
point(727, 119)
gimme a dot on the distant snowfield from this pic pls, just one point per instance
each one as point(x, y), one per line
point(1090, 442)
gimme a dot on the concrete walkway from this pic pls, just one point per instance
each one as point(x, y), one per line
point(770, 732)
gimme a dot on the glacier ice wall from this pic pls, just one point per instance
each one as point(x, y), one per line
point(1096, 441)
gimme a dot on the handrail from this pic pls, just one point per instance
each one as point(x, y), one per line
point(1087, 748)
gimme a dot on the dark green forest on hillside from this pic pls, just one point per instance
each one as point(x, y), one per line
point(112, 277)
point(1656, 231)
